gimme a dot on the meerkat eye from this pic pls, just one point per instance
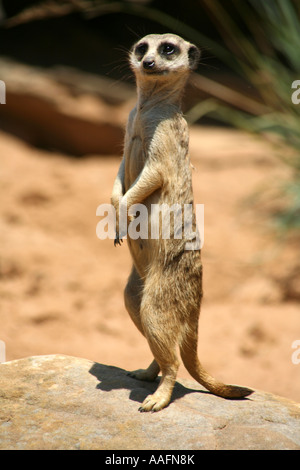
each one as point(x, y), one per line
point(168, 49)
point(141, 50)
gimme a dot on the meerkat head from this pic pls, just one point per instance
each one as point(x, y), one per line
point(159, 56)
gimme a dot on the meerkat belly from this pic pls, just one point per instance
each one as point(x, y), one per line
point(156, 233)
point(142, 241)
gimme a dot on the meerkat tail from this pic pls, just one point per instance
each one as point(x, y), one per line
point(191, 362)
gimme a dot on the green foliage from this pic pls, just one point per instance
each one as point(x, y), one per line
point(264, 38)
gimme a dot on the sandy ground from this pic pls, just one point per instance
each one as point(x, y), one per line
point(61, 288)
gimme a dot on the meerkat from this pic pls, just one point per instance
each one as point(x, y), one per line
point(164, 290)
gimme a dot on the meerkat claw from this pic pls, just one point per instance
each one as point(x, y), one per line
point(118, 241)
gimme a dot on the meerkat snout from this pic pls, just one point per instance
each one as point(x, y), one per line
point(148, 64)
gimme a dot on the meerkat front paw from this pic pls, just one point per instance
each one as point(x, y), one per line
point(117, 240)
point(119, 237)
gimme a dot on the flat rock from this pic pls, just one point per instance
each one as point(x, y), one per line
point(61, 402)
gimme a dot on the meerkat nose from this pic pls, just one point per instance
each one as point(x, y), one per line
point(148, 64)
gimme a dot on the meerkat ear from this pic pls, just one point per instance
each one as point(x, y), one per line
point(194, 56)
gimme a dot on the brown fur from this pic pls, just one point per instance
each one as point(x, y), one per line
point(164, 290)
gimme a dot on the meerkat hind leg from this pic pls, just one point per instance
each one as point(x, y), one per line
point(165, 356)
point(132, 295)
point(162, 396)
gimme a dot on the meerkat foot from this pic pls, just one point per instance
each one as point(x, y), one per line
point(142, 374)
point(155, 402)
point(149, 375)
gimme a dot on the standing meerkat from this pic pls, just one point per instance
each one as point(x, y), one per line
point(164, 290)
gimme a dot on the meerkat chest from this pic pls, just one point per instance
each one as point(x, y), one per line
point(135, 160)
point(136, 150)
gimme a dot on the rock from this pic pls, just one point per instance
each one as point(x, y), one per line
point(61, 402)
point(64, 110)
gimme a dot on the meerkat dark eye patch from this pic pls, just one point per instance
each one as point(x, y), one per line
point(141, 50)
point(168, 49)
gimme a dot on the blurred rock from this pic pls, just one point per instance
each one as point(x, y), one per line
point(62, 402)
point(258, 290)
point(64, 109)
